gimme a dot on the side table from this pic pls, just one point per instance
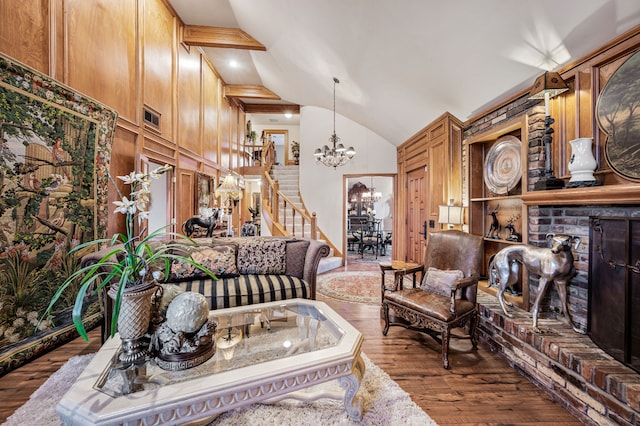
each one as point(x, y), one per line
point(400, 269)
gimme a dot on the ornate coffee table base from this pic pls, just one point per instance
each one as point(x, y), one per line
point(196, 399)
point(350, 383)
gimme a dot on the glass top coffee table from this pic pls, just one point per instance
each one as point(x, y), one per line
point(264, 353)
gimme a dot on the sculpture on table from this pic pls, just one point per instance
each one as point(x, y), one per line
point(495, 225)
point(185, 338)
point(208, 221)
point(513, 235)
point(552, 265)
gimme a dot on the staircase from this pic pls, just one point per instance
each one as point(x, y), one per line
point(288, 179)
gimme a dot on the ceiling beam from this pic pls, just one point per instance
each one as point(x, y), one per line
point(271, 108)
point(248, 91)
point(233, 38)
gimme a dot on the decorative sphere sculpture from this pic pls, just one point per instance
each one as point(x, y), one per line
point(187, 312)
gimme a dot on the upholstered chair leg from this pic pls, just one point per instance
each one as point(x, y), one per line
point(446, 334)
point(385, 308)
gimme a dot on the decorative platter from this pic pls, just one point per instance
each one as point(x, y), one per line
point(502, 166)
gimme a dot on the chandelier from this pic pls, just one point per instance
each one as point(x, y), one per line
point(337, 155)
point(370, 198)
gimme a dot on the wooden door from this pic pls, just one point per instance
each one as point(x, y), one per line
point(416, 214)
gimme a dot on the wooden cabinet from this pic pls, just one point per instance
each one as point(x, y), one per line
point(497, 167)
point(429, 175)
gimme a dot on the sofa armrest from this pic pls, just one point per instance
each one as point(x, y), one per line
point(316, 251)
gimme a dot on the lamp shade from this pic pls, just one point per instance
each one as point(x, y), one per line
point(229, 188)
point(548, 83)
point(451, 215)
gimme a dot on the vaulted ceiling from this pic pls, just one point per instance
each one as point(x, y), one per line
point(401, 64)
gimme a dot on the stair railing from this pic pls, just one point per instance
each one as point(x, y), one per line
point(279, 213)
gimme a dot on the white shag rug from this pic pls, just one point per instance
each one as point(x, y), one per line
point(384, 403)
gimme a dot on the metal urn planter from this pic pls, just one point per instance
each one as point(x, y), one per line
point(133, 322)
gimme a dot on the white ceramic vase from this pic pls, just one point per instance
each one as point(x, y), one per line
point(582, 162)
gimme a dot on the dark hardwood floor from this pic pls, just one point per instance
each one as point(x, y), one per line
point(479, 389)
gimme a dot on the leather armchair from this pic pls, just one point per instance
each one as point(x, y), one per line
point(432, 312)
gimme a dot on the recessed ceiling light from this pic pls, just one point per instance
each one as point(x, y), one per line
point(233, 64)
point(288, 115)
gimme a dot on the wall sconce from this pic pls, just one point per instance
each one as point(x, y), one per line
point(450, 214)
point(546, 86)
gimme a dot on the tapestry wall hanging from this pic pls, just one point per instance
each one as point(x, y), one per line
point(54, 156)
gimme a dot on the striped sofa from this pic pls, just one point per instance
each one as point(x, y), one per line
point(261, 269)
point(250, 270)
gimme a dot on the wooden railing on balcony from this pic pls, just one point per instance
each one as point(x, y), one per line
point(279, 213)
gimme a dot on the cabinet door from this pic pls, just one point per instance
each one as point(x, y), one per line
point(186, 195)
point(417, 199)
point(438, 172)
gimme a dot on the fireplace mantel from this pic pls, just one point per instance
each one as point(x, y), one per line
point(607, 194)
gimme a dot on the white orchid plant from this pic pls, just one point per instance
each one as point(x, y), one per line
point(132, 260)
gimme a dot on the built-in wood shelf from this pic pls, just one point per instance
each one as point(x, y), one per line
point(605, 194)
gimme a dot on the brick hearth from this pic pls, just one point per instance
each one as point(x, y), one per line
point(568, 366)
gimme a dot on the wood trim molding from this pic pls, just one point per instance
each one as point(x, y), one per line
point(607, 194)
point(271, 108)
point(249, 91)
point(232, 38)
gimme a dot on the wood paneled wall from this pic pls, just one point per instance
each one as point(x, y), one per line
point(128, 55)
point(436, 149)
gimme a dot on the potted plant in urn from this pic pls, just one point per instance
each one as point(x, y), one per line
point(131, 268)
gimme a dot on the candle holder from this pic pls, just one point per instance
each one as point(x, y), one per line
point(546, 86)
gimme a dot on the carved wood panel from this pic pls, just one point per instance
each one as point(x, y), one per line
point(185, 196)
point(30, 44)
point(189, 100)
point(103, 67)
point(211, 93)
point(158, 34)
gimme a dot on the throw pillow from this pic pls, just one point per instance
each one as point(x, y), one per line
point(296, 254)
point(219, 259)
point(439, 281)
point(262, 256)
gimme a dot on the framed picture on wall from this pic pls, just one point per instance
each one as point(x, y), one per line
point(205, 186)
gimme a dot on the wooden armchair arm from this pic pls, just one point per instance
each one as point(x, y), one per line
point(463, 282)
point(400, 269)
point(464, 285)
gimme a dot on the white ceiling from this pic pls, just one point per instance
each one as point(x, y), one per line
point(402, 64)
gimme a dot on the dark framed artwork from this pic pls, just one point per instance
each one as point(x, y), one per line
point(55, 149)
point(618, 114)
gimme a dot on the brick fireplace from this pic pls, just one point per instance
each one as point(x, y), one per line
point(568, 366)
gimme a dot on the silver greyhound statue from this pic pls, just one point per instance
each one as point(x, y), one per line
point(554, 264)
